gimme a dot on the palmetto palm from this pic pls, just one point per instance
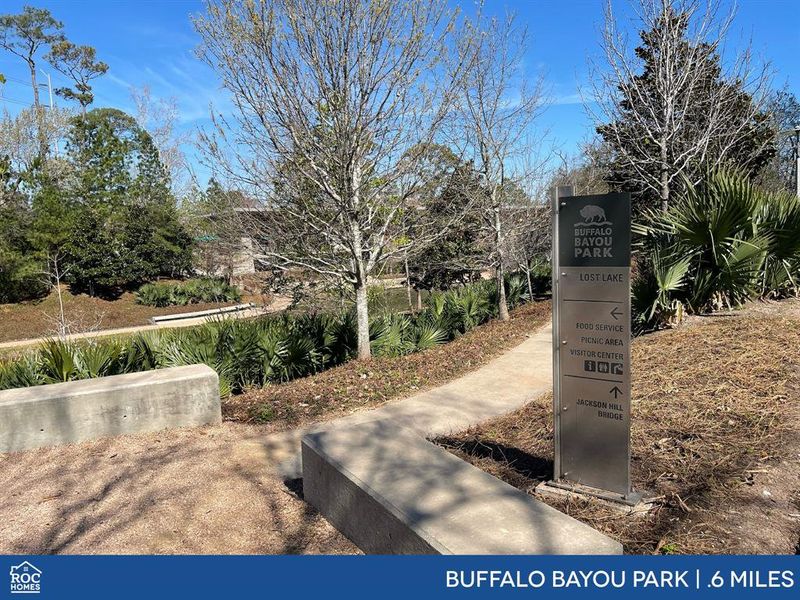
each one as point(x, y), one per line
point(709, 249)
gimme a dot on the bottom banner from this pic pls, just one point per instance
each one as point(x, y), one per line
point(89, 577)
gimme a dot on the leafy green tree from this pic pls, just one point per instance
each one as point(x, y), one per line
point(20, 272)
point(80, 64)
point(52, 211)
point(167, 249)
point(458, 255)
point(96, 256)
point(155, 242)
point(102, 147)
point(8, 180)
point(129, 227)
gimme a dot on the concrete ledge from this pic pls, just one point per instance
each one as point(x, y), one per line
point(392, 492)
point(64, 413)
point(201, 313)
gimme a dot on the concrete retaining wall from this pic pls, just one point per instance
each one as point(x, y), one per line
point(226, 310)
point(64, 413)
point(392, 492)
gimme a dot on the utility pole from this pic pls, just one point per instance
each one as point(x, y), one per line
point(50, 92)
point(49, 87)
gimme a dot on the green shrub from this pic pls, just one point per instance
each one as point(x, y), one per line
point(20, 372)
point(257, 352)
point(155, 294)
point(721, 243)
point(263, 413)
point(193, 291)
point(541, 275)
point(779, 217)
point(516, 289)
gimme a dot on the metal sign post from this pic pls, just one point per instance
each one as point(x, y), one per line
point(591, 342)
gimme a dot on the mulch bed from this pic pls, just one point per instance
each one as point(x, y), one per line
point(715, 438)
point(356, 385)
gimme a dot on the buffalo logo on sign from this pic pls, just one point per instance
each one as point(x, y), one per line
point(593, 214)
point(592, 238)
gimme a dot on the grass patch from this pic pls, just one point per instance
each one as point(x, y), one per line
point(356, 385)
point(715, 437)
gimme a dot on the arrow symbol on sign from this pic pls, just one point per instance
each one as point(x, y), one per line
point(616, 312)
point(616, 391)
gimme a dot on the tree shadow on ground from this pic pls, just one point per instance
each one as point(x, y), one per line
point(193, 490)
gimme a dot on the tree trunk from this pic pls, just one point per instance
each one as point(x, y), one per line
point(32, 67)
point(664, 179)
point(530, 284)
point(502, 305)
point(408, 286)
point(419, 300)
point(362, 316)
point(37, 108)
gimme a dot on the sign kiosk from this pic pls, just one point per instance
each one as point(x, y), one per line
point(591, 344)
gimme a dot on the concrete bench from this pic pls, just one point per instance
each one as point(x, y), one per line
point(391, 491)
point(64, 413)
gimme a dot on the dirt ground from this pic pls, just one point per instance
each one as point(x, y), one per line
point(183, 491)
point(34, 319)
point(715, 438)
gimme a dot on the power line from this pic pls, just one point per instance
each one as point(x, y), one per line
point(21, 81)
point(23, 103)
point(2, 99)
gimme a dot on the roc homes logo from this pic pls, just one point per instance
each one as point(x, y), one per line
point(25, 579)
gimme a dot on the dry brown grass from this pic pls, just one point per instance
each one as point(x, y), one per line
point(34, 319)
point(357, 385)
point(715, 425)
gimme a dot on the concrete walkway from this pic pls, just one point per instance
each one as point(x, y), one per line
point(505, 384)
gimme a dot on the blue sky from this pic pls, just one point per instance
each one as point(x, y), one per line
point(151, 42)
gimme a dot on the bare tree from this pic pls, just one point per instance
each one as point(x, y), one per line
point(21, 135)
point(54, 275)
point(671, 104)
point(586, 170)
point(336, 103)
point(530, 241)
point(496, 111)
point(159, 117)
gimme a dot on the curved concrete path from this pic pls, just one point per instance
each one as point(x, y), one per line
point(499, 387)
